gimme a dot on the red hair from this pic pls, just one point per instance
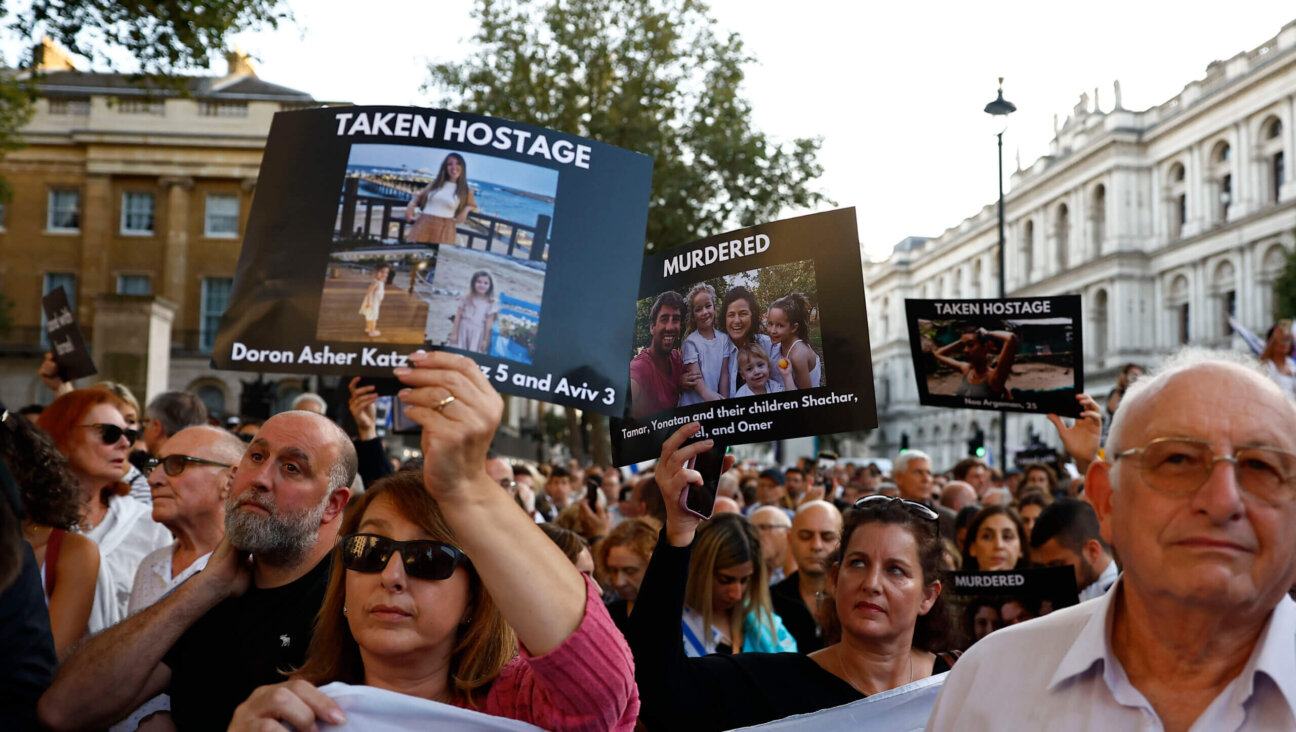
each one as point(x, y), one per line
point(64, 414)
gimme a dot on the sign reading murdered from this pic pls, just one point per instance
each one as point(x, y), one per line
point(1016, 354)
point(983, 602)
point(377, 231)
point(759, 334)
point(65, 339)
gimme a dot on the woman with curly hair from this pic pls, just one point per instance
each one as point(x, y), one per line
point(69, 562)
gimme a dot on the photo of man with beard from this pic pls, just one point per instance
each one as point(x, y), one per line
point(657, 374)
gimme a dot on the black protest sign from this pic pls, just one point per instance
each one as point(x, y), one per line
point(982, 602)
point(1015, 354)
point(378, 231)
point(759, 334)
point(66, 342)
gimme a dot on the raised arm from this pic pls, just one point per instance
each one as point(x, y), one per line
point(1007, 355)
point(944, 355)
point(122, 667)
point(538, 590)
point(1083, 438)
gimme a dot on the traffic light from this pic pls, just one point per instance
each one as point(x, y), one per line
point(976, 443)
point(904, 442)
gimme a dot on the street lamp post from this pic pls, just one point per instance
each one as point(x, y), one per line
point(999, 109)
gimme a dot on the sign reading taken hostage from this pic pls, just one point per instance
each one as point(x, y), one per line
point(759, 334)
point(378, 231)
point(1017, 354)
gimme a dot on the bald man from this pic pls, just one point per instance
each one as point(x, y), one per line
point(957, 495)
point(816, 531)
point(773, 525)
point(726, 505)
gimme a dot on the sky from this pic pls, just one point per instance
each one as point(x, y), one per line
point(895, 90)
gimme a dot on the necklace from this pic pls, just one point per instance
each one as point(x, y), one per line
point(860, 687)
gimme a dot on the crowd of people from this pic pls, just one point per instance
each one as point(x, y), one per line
point(171, 574)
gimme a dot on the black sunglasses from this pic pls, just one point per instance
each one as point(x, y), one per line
point(174, 465)
point(917, 509)
point(423, 558)
point(111, 433)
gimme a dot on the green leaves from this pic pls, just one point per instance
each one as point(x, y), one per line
point(646, 75)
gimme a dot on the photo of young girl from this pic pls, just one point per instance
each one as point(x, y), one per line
point(706, 351)
point(756, 368)
point(477, 310)
point(788, 324)
point(373, 298)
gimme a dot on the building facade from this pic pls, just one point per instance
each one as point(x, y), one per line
point(1166, 221)
point(137, 192)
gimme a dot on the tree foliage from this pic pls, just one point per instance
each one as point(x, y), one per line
point(648, 75)
point(164, 36)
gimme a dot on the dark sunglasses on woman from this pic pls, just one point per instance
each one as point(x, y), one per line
point(917, 509)
point(111, 433)
point(174, 465)
point(423, 558)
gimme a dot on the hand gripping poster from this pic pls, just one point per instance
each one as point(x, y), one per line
point(378, 231)
point(1020, 354)
point(759, 334)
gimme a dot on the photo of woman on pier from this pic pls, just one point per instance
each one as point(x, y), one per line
point(445, 203)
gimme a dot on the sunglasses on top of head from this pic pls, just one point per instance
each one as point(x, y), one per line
point(913, 507)
point(111, 433)
point(423, 558)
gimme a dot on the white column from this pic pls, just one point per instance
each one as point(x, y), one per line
point(1288, 191)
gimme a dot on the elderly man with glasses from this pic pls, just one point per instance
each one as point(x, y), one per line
point(1198, 497)
point(189, 479)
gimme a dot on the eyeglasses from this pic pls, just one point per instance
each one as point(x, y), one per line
point(174, 465)
point(1179, 466)
point(508, 485)
point(111, 433)
point(917, 509)
point(423, 558)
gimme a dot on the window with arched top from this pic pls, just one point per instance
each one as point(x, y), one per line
point(1271, 266)
point(1098, 217)
point(213, 395)
point(1221, 175)
point(1272, 157)
point(1177, 301)
point(1027, 263)
point(976, 279)
point(1223, 292)
point(1098, 324)
point(1177, 196)
point(1062, 234)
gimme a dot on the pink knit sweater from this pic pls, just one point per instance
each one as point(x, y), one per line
point(587, 683)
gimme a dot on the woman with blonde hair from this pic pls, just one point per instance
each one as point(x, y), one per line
point(727, 601)
point(445, 203)
point(443, 591)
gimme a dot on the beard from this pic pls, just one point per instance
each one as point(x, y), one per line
point(278, 539)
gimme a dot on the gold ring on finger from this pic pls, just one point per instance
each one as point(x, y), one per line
point(441, 405)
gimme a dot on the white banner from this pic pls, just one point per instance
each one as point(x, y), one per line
point(905, 709)
point(378, 710)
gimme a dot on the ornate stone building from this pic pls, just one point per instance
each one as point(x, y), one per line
point(1166, 221)
point(134, 200)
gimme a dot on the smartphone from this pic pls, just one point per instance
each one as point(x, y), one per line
point(593, 485)
point(699, 500)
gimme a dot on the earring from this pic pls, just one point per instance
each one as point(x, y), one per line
point(344, 609)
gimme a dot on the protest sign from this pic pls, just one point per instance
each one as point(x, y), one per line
point(1015, 354)
point(759, 334)
point(377, 231)
point(370, 709)
point(982, 602)
point(66, 342)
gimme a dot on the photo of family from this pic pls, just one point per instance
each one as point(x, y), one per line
point(983, 602)
point(982, 355)
point(481, 302)
point(716, 341)
point(403, 194)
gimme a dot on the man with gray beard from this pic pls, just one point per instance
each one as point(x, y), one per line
point(248, 615)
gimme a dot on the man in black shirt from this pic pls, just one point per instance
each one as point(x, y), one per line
point(816, 530)
point(242, 620)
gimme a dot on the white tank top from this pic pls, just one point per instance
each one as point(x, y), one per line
point(442, 202)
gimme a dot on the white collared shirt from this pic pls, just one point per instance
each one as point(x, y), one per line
point(1099, 587)
point(1059, 672)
